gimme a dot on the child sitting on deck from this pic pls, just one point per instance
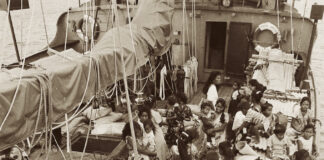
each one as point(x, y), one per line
point(278, 144)
point(269, 121)
point(206, 119)
point(148, 138)
point(143, 152)
point(240, 115)
point(306, 141)
point(171, 114)
point(220, 123)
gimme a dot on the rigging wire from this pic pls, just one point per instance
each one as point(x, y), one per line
point(114, 51)
point(87, 83)
point(87, 138)
point(126, 86)
point(21, 26)
point(133, 44)
point(186, 24)
point(292, 37)
point(67, 24)
point(60, 124)
point(22, 68)
point(148, 75)
point(195, 26)
point(183, 30)
point(291, 29)
point(278, 21)
point(98, 82)
point(44, 22)
point(58, 146)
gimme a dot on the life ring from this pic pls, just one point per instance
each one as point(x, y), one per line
point(81, 30)
point(266, 26)
point(227, 3)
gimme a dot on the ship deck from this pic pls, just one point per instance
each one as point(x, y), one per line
point(224, 92)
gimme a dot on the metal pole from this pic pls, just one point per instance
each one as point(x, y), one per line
point(13, 36)
point(310, 50)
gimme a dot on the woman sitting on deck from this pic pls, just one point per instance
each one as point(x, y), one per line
point(220, 122)
point(306, 141)
point(144, 114)
point(304, 112)
point(211, 86)
point(142, 150)
point(301, 117)
point(270, 120)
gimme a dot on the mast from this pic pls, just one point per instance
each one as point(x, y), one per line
point(316, 14)
point(13, 36)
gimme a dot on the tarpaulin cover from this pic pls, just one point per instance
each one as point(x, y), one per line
point(63, 78)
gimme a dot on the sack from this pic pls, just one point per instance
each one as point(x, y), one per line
point(281, 119)
point(297, 124)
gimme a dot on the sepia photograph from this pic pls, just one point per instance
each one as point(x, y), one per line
point(161, 80)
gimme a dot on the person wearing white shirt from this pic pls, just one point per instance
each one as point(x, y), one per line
point(211, 86)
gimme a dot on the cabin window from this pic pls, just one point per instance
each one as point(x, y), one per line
point(215, 45)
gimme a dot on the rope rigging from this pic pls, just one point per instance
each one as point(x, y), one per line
point(126, 86)
point(22, 67)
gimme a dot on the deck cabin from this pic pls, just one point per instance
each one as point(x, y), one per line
point(225, 37)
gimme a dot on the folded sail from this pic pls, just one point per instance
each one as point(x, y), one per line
point(62, 81)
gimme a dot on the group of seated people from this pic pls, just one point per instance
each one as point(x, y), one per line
point(251, 121)
point(221, 132)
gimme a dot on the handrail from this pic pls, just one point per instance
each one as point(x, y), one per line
point(313, 89)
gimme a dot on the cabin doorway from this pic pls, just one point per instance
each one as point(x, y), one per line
point(215, 46)
point(238, 48)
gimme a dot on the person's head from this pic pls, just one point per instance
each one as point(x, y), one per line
point(205, 107)
point(256, 86)
point(150, 101)
point(144, 113)
point(244, 107)
point(236, 85)
point(226, 151)
point(256, 96)
point(148, 126)
point(182, 98)
point(253, 84)
point(266, 109)
point(214, 78)
point(280, 131)
point(172, 100)
point(242, 91)
point(305, 104)
point(308, 131)
point(302, 155)
point(176, 127)
point(220, 105)
point(127, 131)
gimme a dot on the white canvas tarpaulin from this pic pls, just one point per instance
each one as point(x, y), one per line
point(63, 81)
